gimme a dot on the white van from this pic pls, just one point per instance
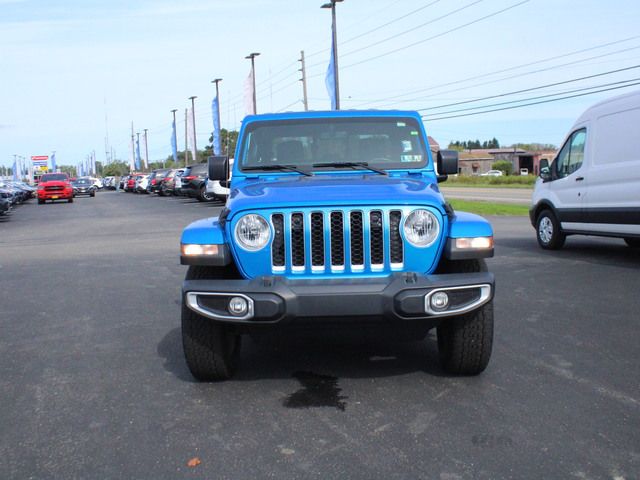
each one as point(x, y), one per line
point(592, 187)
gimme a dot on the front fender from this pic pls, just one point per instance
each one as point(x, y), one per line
point(466, 224)
point(207, 231)
point(204, 232)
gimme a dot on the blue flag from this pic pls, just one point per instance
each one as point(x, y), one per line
point(138, 153)
point(330, 78)
point(53, 162)
point(174, 145)
point(14, 170)
point(215, 107)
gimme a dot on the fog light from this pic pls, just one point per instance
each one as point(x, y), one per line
point(238, 306)
point(439, 300)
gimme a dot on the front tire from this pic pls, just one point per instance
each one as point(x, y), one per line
point(71, 200)
point(212, 350)
point(204, 196)
point(465, 342)
point(548, 231)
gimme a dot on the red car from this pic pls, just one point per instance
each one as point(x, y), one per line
point(55, 186)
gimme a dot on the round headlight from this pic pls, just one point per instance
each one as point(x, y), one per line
point(421, 228)
point(252, 232)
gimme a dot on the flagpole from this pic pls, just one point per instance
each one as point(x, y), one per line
point(252, 57)
point(334, 47)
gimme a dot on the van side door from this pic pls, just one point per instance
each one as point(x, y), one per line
point(568, 184)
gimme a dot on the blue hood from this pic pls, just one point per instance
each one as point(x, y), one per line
point(333, 190)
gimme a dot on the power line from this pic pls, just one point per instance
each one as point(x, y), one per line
point(529, 104)
point(531, 89)
point(523, 65)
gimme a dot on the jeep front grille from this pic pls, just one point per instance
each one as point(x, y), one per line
point(337, 241)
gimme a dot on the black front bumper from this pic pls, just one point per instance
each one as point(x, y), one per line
point(277, 300)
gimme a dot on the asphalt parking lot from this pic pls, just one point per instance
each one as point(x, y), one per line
point(94, 384)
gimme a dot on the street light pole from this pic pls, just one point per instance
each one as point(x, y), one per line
point(175, 136)
point(252, 56)
point(334, 42)
point(193, 121)
point(217, 81)
point(146, 149)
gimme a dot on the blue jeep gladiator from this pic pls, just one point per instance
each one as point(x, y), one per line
point(336, 218)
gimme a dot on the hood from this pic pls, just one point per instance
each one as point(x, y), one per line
point(334, 190)
point(54, 183)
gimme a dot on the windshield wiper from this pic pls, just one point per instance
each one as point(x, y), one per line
point(290, 168)
point(350, 165)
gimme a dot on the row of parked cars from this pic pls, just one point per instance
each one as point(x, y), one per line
point(191, 181)
point(14, 193)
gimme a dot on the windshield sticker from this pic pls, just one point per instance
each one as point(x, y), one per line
point(401, 124)
point(414, 132)
point(410, 158)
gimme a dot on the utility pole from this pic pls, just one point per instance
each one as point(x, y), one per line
point(132, 163)
point(332, 6)
point(304, 81)
point(138, 145)
point(186, 133)
point(146, 149)
point(252, 57)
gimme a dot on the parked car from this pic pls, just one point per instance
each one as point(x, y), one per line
point(142, 182)
point(592, 187)
point(492, 173)
point(5, 204)
point(109, 183)
point(219, 189)
point(193, 182)
point(168, 185)
point(155, 179)
point(177, 189)
point(131, 182)
point(55, 186)
point(83, 186)
point(336, 219)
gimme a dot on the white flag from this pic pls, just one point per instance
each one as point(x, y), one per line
point(249, 106)
point(191, 135)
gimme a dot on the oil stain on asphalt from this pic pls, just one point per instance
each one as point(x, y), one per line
point(317, 391)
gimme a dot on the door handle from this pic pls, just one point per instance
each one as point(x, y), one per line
point(579, 179)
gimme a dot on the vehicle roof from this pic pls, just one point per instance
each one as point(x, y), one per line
point(333, 114)
point(631, 99)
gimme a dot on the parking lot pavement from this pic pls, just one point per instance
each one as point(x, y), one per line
point(94, 384)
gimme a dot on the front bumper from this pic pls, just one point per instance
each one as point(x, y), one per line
point(402, 297)
point(55, 195)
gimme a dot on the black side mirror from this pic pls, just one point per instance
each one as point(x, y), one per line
point(218, 168)
point(447, 164)
point(545, 171)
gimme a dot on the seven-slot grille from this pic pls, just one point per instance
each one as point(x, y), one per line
point(337, 241)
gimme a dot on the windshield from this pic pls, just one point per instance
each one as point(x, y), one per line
point(380, 142)
point(82, 181)
point(52, 177)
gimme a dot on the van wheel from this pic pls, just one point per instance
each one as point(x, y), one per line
point(632, 242)
point(548, 231)
point(211, 349)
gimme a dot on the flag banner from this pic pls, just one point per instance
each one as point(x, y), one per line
point(249, 106)
point(174, 142)
point(53, 162)
point(132, 155)
point(330, 78)
point(215, 107)
point(138, 153)
point(14, 170)
point(191, 135)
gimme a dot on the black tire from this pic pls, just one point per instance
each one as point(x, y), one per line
point(465, 342)
point(93, 194)
point(40, 202)
point(212, 350)
point(203, 196)
point(632, 242)
point(548, 231)
point(71, 200)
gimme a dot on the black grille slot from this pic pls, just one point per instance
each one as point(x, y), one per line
point(277, 247)
point(337, 239)
point(395, 239)
point(297, 240)
point(317, 239)
point(357, 242)
point(377, 237)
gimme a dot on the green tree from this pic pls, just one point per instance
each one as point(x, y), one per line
point(504, 166)
point(68, 169)
point(116, 169)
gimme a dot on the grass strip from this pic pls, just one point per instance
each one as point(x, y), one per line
point(489, 208)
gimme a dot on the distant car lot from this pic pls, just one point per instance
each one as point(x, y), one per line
point(94, 382)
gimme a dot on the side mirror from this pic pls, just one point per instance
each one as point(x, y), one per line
point(447, 164)
point(545, 171)
point(218, 168)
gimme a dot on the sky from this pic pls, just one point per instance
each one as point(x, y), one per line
point(76, 74)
